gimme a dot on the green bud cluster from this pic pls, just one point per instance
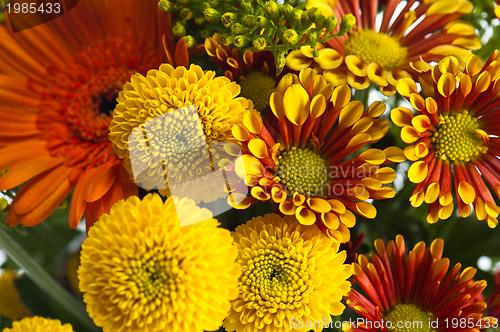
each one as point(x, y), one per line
point(258, 24)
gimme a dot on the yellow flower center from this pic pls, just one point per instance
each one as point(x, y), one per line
point(376, 47)
point(302, 170)
point(457, 138)
point(408, 318)
point(258, 87)
point(277, 275)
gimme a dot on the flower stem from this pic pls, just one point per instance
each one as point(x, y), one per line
point(72, 305)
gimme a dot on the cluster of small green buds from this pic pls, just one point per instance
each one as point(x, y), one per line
point(259, 24)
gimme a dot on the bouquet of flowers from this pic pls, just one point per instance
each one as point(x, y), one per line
point(208, 165)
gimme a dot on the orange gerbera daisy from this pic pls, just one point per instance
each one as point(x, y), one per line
point(382, 53)
point(255, 72)
point(58, 85)
point(454, 138)
point(309, 173)
point(415, 292)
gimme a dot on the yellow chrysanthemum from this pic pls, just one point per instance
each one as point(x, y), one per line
point(39, 324)
point(292, 275)
point(141, 271)
point(453, 138)
point(382, 52)
point(11, 306)
point(166, 125)
point(312, 167)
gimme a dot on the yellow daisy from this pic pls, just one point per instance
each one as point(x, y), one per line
point(382, 52)
point(453, 138)
point(39, 324)
point(167, 124)
point(310, 164)
point(292, 275)
point(141, 271)
point(11, 306)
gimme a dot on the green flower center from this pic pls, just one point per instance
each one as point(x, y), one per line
point(457, 139)
point(257, 87)
point(302, 170)
point(376, 47)
point(407, 318)
point(276, 274)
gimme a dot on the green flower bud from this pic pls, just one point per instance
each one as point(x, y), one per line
point(3, 203)
point(178, 30)
point(272, 10)
point(228, 19)
point(226, 39)
point(238, 29)
point(186, 14)
point(250, 21)
point(214, 3)
point(305, 20)
point(241, 41)
point(212, 15)
point(165, 6)
point(288, 12)
point(316, 16)
point(331, 23)
point(190, 42)
point(185, 3)
point(246, 6)
point(312, 36)
point(259, 43)
point(346, 24)
point(200, 20)
point(297, 13)
point(280, 60)
point(204, 6)
point(291, 36)
point(315, 53)
point(262, 21)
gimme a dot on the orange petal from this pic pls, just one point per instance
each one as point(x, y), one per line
point(99, 181)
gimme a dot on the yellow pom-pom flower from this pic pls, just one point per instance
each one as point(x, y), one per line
point(39, 324)
point(141, 271)
point(166, 123)
point(293, 277)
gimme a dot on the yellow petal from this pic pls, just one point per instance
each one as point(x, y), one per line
point(319, 205)
point(348, 219)
point(373, 156)
point(330, 220)
point(409, 134)
point(296, 104)
point(446, 211)
point(350, 114)
point(341, 96)
point(376, 109)
point(466, 192)
point(417, 101)
point(337, 206)
point(450, 64)
point(258, 148)
point(305, 216)
point(278, 195)
point(394, 154)
point(253, 121)
point(318, 106)
point(446, 84)
point(329, 58)
point(421, 123)
point(297, 61)
point(361, 138)
point(483, 82)
point(240, 133)
point(248, 165)
point(366, 210)
point(260, 194)
point(406, 86)
point(376, 74)
point(386, 175)
point(287, 208)
point(432, 193)
point(356, 65)
point(358, 82)
point(421, 150)
point(418, 171)
point(401, 116)
point(306, 76)
point(276, 103)
point(417, 199)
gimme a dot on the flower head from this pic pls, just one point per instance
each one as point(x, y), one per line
point(307, 167)
point(11, 306)
point(384, 52)
point(254, 71)
point(141, 271)
point(39, 324)
point(59, 83)
point(183, 112)
point(291, 273)
point(415, 289)
point(453, 138)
